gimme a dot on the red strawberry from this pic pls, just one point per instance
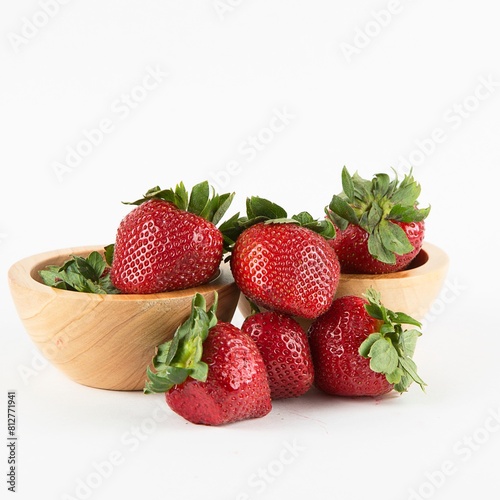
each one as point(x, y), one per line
point(212, 372)
point(283, 264)
point(285, 350)
point(359, 348)
point(379, 227)
point(169, 242)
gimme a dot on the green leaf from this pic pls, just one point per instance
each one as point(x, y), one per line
point(340, 207)
point(199, 371)
point(83, 267)
point(394, 238)
point(323, 227)
point(373, 297)
point(176, 374)
point(408, 341)
point(374, 311)
point(403, 318)
point(50, 276)
point(421, 214)
point(407, 193)
point(374, 217)
point(107, 286)
point(390, 350)
point(154, 193)
point(202, 200)
point(97, 263)
point(303, 218)
point(200, 194)
point(366, 345)
point(339, 222)
point(180, 357)
point(264, 208)
point(156, 383)
point(80, 274)
point(348, 185)
point(362, 188)
point(181, 196)
point(230, 230)
point(109, 253)
point(410, 368)
point(378, 250)
point(224, 202)
point(166, 351)
point(383, 357)
point(395, 376)
point(402, 213)
point(381, 184)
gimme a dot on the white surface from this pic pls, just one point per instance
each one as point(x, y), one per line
point(227, 78)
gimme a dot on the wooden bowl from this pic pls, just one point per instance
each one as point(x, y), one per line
point(411, 291)
point(105, 341)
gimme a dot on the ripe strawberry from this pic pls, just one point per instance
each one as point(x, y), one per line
point(379, 227)
point(169, 242)
point(211, 371)
point(285, 350)
point(359, 348)
point(282, 264)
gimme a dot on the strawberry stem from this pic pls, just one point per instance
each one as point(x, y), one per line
point(391, 349)
point(375, 206)
point(180, 357)
point(202, 201)
point(261, 210)
point(81, 274)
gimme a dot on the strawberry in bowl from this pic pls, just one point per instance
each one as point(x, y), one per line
point(379, 227)
point(169, 241)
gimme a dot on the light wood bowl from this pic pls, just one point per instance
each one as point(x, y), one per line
point(411, 291)
point(105, 341)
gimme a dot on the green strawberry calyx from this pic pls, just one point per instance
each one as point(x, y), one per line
point(261, 210)
point(180, 357)
point(82, 274)
point(375, 205)
point(391, 349)
point(202, 201)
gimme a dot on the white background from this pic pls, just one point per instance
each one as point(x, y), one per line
point(415, 83)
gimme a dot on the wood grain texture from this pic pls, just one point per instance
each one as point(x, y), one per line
point(412, 291)
point(105, 341)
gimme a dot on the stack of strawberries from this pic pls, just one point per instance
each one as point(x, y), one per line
point(287, 267)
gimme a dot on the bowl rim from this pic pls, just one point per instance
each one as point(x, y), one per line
point(21, 274)
point(436, 259)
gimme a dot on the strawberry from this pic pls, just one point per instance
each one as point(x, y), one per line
point(379, 227)
point(283, 264)
point(212, 373)
point(169, 242)
point(80, 274)
point(285, 350)
point(359, 348)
